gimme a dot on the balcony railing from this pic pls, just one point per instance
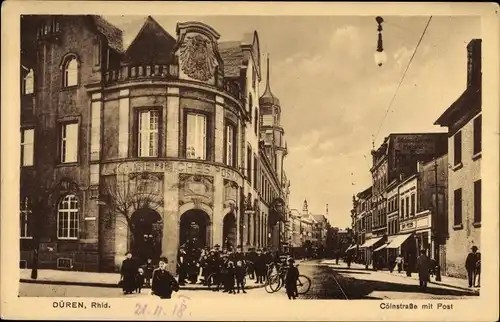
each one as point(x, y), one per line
point(165, 72)
point(140, 72)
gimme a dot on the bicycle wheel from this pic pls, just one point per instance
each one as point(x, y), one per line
point(212, 281)
point(272, 283)
point(303, 284)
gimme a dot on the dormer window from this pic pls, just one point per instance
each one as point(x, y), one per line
point(70, 72)
point(29, 82)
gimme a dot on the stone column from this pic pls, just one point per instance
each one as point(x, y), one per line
point(245, 228)
point(219, 128)
point(171, 220)
point(172, 122)
point(218, 208)
point(237, 215)
point(123, 124)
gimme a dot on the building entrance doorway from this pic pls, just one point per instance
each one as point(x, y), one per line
point(147, 229)
point(194, 229)
point(229, 230)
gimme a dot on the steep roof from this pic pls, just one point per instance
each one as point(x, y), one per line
point(113, 34)
point(153, 44)
point(319, 218)
point(232, 56)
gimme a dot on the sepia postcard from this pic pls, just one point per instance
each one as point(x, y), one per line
point(250, 161)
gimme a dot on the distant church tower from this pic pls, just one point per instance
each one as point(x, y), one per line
point(305, 211)
point(271, 130)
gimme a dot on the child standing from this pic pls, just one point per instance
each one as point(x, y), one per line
point(230, 278)
point(240, 273)
point(148, 272)
point(291, 279)
point(139, 280)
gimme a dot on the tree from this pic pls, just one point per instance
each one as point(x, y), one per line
point(124, 192)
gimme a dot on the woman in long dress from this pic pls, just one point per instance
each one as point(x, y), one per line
point(128, 274)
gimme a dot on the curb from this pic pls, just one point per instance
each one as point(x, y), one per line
point(95, 284)
point(472, 291)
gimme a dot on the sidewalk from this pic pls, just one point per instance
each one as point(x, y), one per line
point(58, 277)
point(447, 281)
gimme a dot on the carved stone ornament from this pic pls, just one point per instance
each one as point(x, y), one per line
point(248, 202)
point(197, 57)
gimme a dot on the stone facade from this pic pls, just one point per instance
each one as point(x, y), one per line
point(463, 119)
point(167, 145)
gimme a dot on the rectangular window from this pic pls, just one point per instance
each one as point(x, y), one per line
point(477, 201)
point(196, 136)
point(230, 145)
point(249, 164)
point(97, 53)
point(477, 134)
point(457, 202)
point(255, 172)
point(407, 204)
point(412, 211)
point(402, 208)
point(69, 142)
point(148, 133)
point(27, 143)
point(457, 148)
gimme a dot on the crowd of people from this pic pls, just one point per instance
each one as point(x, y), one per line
point(222, 268)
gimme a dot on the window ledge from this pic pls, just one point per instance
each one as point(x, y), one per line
point(69, 164)
point(69, 88)
point(457, 166)
point(477, 156)
point(68, 238)
point(28, 167)
point(476, 224)
point(458, 227)
point(26, 237)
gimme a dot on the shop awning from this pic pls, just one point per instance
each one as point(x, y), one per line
point(370, 242)
point(381, 247)
point(350, 247)
point(398, 241)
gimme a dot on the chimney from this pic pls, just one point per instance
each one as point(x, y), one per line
point(474, 73)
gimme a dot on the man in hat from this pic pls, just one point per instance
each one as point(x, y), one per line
point(163, 283)
point(251, 262)
point(217, 248)
point(182, 261)
point(291, 279)
point(238, 255)
point(470, 265)
point(260, 266)
point(128, 272)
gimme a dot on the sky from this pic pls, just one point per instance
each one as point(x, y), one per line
point(334, 97)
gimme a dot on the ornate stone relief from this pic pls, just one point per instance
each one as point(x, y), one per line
point(197, 57)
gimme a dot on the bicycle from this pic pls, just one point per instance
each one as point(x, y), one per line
point(277, 280)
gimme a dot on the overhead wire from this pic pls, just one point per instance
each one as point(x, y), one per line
point(402, 79)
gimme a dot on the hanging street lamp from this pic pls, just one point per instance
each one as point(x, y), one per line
point(380, 55)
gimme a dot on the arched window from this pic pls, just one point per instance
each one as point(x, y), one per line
point(29, 82)
point(70, 72)
point(67, 218)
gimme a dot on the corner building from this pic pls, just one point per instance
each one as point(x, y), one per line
point(166, 131)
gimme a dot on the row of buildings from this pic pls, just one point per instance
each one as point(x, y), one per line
point(144, 148)
point(426, 188)
point(306, 228)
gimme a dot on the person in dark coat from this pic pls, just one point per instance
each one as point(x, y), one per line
point(470, 265)
point(128, 273)
point(230, 277)
point(139, 280)
point(223, 274)
point(291, 279)
point(260, 266)
point(251, 263)
point(477, 272)
point(423, 268)
point(148, 272)
point(182, 262)
point(163, 283)
point(239, 274)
